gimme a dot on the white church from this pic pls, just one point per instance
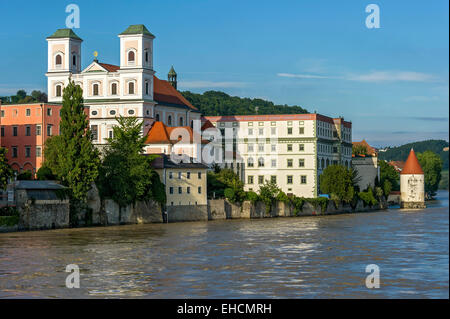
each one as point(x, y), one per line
point(128, 89)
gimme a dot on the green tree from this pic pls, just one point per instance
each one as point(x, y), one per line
point(268, 194)
point(126, 174)
point(21, 94)
point(388, 173)
point(72, 157)
point(338, 182)
point(5, 170)
point(222, 179)
point(216, 189)
point(432, 166)
point(45, 173)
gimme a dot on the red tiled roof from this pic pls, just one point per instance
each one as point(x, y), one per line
point(412, 165)
point(110, 67)
point(161, 134)
point(164, 92)
point(206, 125)
point(398, 165)
point(370, 150)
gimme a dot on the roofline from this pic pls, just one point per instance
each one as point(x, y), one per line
point(274, 117)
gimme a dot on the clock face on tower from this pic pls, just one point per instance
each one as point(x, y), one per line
point(412, 188)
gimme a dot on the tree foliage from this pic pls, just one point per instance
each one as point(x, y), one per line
point(22, 97)
point(6, 171)
point(220, 103)
point(339, 182)
point(126, 174)
point(390, 175)
point(71, 156)
point(432, 166)
point(269, 192)
point(223, 179)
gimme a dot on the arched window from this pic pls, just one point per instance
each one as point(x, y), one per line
point(58, 90)
point(74, 60)
point(131, 56)
point(169, 120)
point(58, 60)
point(95, 89)
point(146, 55)
point(157, 117)
point(146, 88)
point(131, 88)
point(114, 89)
point(180, 121)
point(250, 162)
point(261, 162)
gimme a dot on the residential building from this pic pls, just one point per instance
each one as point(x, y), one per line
point(289, 149)
point(24, 130)
point(366, 165)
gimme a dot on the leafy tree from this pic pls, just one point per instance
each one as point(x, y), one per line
point(388, 173)
point(215, 187)
point(72, 157)
point(220, 103)
point(21, 94)
point(432, 166)
point(222, 179)
point(5, 170)
point(252, 197)
point(45, 173)
point(268, 193)
point(387, 187)
point(230, 194)
point(24, 176)
point(126, 174)
point(338, 182)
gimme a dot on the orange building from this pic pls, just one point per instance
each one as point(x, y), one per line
point(24, 130)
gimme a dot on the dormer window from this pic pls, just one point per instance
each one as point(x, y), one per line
point(131, 88)
point(95, 89)
point(58, 60)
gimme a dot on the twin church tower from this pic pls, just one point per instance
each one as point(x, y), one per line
point(128, 89)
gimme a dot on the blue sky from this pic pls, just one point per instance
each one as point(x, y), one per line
point(391, 82)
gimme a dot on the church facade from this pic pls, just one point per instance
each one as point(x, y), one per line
point(128, 89)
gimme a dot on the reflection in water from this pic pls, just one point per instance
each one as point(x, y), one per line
point(279, 258)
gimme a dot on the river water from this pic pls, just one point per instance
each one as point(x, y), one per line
point(304, 257)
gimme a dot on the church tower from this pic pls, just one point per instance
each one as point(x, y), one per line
point(412, 183)
point(64, 59)
point(172, 77)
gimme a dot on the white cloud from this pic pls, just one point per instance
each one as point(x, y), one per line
point(210, 84)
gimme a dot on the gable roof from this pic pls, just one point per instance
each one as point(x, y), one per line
point(412, 165)
point(137, 29)
point(159, 133)
point(370, 150)
point(110, 67)
point(64, 33)
point(165, 93)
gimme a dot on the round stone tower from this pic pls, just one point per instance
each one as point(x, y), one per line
point(412, 183)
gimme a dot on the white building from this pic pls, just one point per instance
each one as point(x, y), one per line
point(290, 149)
point(127, 89)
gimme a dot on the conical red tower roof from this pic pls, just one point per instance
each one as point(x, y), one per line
point(412, 165)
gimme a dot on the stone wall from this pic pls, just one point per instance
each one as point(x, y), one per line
point(43, 215)
point(187, 213)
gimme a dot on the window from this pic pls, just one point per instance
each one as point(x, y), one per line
point(199, 189)
point(14, 151)
point(250, 123)
point(289, 163)
point(49, 112)
point(303, 179)
point(273, 179)
point(179, 175)
point(110, 133)
point(289, 147)
point(274, 163)
point(261, 162)
point(28, 112)
point(169, 120)
point(301, 130)
point(146, 88)
point(27, 151)
point(335, 149)
point(250, 131)
point(131, 88)
point(170, 175)
point(249, 179)
point(171, 190)
point(188, 190)
point(114, 89)
point(28, 130)
point(74, 60)
point(261, 131)
point(38, 130)
point(273, 130)
point(289, 130)
point(301, 147)
point(58, 90)
point(199, 175)
point(58, 60)
point(301, 162)
point(250, 147)
point(14, 130)
point(38, 151)
point(261, 179)
point(289, 179)
point(131, 56)
point(94, 113)
point(3, 131)
point(94, 132)
point(250, 162)
point(95, 89)
point(130, 112)
point(273, 123)
point(146, 55)
point(322, 163)
point(157, 117)
point(273, 147)
point(180, 190)
point(261, 147)
point(180, 121)
point(3, 113)
point(188, 175)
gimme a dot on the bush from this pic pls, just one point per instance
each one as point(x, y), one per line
point(282, 197)
point(230, 194)
point(368, 197)
point(9, 220)
point(24, 176)
point(317, 202)
point(252, 197)
point(297, 202)
point(268, 193)
point(387, 187)
point(45, 173)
